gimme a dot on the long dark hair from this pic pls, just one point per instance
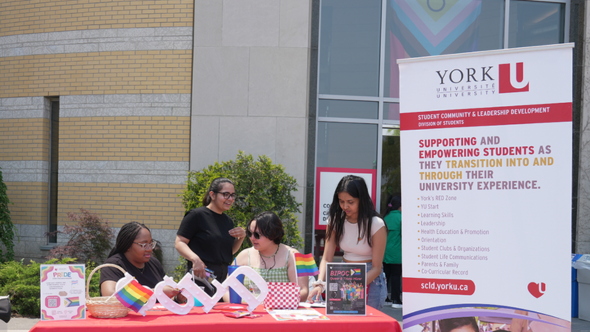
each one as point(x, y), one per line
point(215, 187)
point(126, 236)
point(269, 225)
point(356, 187)
point(394, 204)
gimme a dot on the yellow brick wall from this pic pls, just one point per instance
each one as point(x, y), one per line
point(30, 202)
point(129, 72)
point(141, 138)
point(24, 139)
point(38, 16)
point(156, 205)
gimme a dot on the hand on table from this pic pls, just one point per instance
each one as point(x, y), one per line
point(315, 292)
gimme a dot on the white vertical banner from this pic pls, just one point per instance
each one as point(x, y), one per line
point(486, 141)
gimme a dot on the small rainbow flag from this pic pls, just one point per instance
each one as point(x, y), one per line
point(306, 265)
point(72, 301)
point(134, 296)
point(354, 272)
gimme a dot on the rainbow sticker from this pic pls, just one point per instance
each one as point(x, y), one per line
point(78, 270)
point(45, 316)
point(81, 314)
point(45, 272)
point(72, 302)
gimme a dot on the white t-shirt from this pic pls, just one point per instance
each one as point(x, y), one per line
point(356, 249)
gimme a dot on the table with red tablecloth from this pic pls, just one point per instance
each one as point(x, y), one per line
point(215, 320)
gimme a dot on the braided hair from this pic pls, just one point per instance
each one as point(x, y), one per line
point(126, 236)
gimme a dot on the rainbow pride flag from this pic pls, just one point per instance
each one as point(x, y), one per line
point(134, 296)
point(72, 301)
point(306, 265)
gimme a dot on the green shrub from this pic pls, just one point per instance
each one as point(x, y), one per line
point(90, 239)
point(22, 283)
point(7, 228)
point(260, 186)
point(180, 269)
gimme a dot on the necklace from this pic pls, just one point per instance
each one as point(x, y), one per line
point(262, 257)
point(141, 269)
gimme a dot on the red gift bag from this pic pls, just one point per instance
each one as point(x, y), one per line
point(282, 295)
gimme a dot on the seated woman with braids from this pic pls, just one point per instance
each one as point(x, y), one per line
point(274, 261)
point(133, 252)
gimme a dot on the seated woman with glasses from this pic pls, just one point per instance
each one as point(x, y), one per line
point(207, 237)
point(272, 260)
point(133, 252)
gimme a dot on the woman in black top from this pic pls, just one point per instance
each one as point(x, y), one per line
point(207, 237)
point(133, 252)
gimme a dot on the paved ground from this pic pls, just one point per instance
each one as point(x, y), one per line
point(25, 324)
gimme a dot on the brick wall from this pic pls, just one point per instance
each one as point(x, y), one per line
point(156, 205)
point(29, 202)
point(122, 73)
point(24, 139)
point(27, 17)
point(125, 138)
point(131, 72)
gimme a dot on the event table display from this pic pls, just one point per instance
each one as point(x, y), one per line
point(164, 320)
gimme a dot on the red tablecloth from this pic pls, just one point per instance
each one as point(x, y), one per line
point(161, 321)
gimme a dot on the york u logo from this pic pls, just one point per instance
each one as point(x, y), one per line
point(536, 289)
point(511, 78)
point(467, 75)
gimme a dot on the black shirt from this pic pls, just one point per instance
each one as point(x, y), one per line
point(208, 235)
point(151, 274)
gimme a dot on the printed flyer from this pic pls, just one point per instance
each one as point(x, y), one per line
point(486, 141)
point(346, 293)
point(63, 290)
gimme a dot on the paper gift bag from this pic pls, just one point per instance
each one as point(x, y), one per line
point(282, 295)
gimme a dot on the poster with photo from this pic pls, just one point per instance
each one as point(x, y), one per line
point(346, 289)
point(486, 141)
point(63, 292)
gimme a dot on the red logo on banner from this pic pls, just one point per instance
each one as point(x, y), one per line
point(439, 286)
point(536, 290)
point(508, 83)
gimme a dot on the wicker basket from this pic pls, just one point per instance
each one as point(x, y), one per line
point(100, 307)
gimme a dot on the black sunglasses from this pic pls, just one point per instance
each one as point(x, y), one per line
point(256, 234)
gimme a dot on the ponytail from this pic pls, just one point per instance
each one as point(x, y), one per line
point(215, 187)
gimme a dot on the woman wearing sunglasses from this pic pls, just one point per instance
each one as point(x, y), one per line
point(272, 260)
point(356, 228)
point(207, 237)
point(133, 252)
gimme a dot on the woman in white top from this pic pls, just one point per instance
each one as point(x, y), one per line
point(357, 229)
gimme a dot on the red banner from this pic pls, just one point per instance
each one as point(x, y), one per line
point(438, 286)
point(489, 116)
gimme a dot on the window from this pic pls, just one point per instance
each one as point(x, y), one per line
point(536, 23)
point(53, 169)
point(349, 49)
point(360, 42)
